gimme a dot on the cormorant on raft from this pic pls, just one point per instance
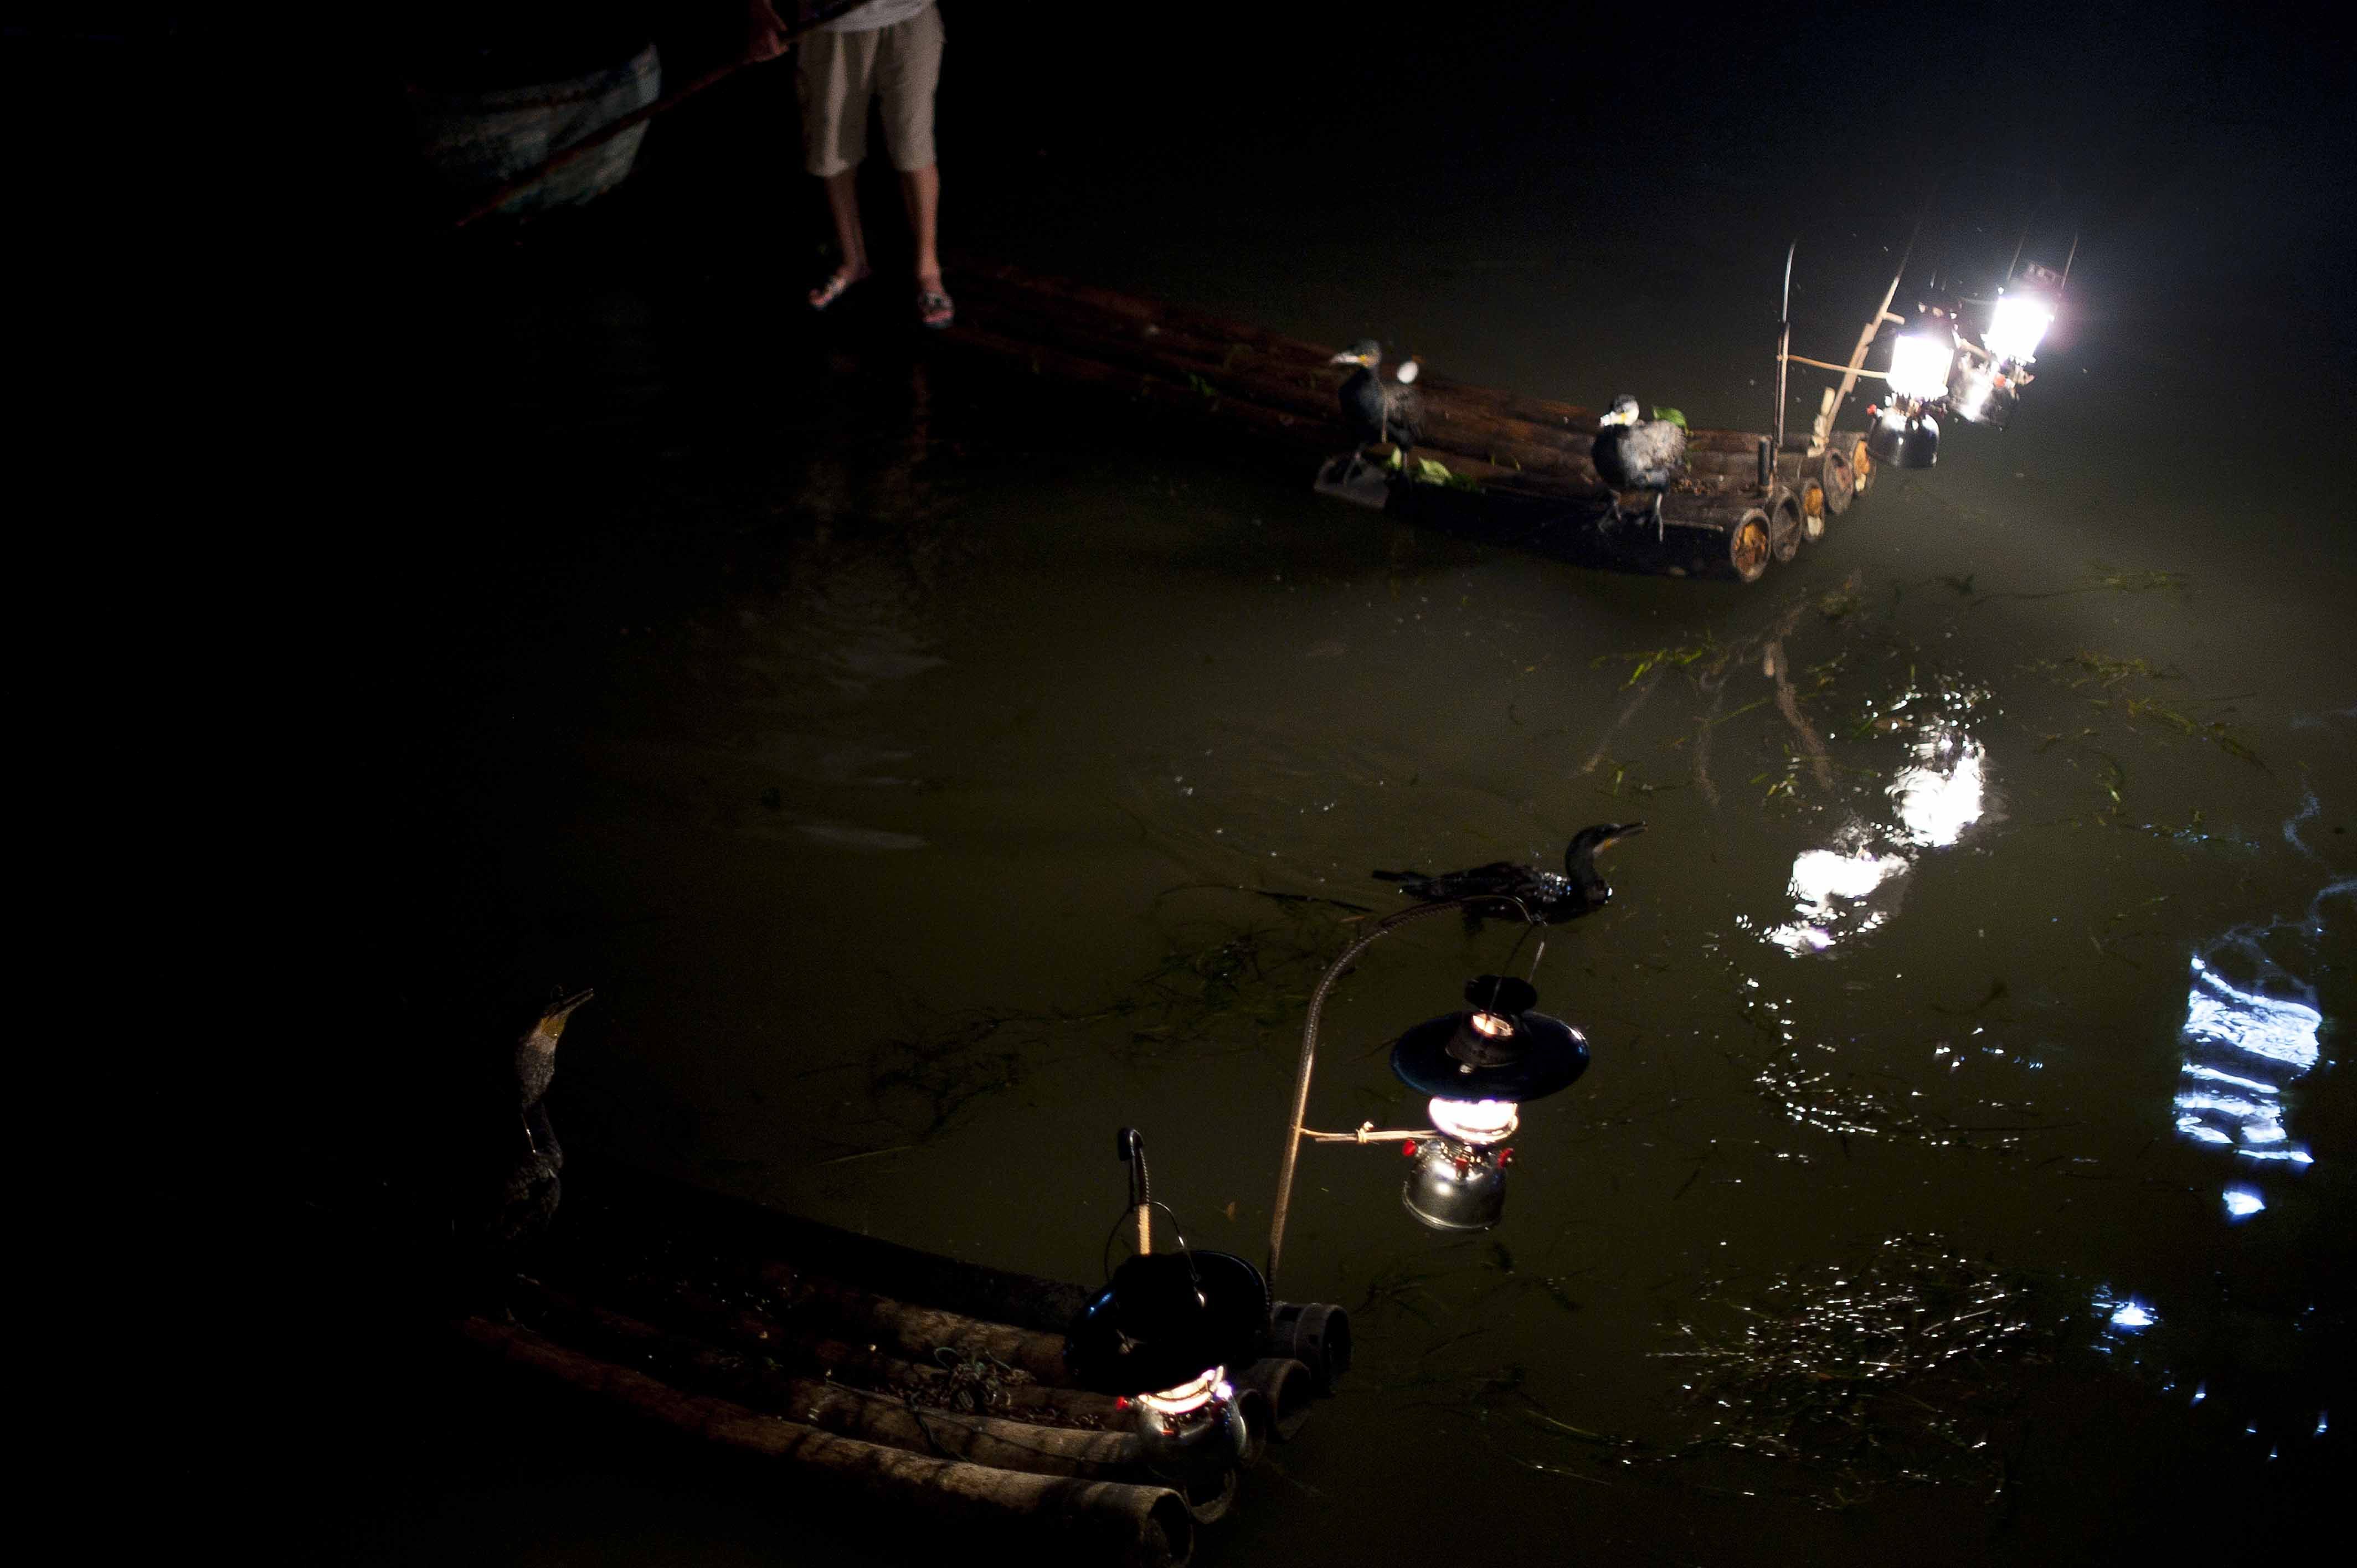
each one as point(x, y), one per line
point(1376, 410)
point(1551, 896)
point(1630, 454)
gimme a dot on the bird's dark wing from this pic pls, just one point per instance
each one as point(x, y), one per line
point(1610, 455)
point(1363, 407)
point(1497, 877)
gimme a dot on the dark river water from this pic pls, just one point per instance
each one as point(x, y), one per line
point(912, 754)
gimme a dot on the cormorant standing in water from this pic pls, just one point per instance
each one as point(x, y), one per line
point(1635, 455)
point(1552, 896)
point(1376, 410)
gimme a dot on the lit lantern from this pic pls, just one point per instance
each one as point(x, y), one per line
point(1906, 433)
point(2024, 310)
point(1480, 1066)
point(1987, 384)
point(1161, 1336)
point(1921, 357)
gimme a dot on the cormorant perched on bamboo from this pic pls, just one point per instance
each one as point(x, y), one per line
point(1630, 454)
point(1552, 896)
point(1377, 410)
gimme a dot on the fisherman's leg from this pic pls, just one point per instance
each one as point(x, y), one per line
point(850, 240)
point(909, 70)
point(836, 73)
point(921, 191)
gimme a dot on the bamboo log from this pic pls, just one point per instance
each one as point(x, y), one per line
point(1719, 537)
point(864, 1364)
point(1308, 388)
point(1259, 1419)
point(1208, 1495)
point(1461, 421)
point(1293, 430)
point(1308, 393)
point(1286, 1390)
point(1315, 1334)
point(1146, 1526)
point(1303, 383)
point(1486, 414)
point(873, 1417)
point(916, 1332)
point(1450, 427)
point(1784, 527)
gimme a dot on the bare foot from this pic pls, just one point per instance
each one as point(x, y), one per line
point(933, 305)
point(830, 291)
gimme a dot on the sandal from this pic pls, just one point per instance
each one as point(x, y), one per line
point(934, 308)
point(832, 289)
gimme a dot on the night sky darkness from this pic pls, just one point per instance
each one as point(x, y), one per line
point(320, 362)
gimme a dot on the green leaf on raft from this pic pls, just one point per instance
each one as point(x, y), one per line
point(1672, 416)
point(1429, 472)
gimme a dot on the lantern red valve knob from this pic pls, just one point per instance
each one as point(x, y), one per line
point(1408, 1148)
point(1505, 1157)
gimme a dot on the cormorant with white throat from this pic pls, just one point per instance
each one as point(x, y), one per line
point(1630, 454)
point(1378, 410)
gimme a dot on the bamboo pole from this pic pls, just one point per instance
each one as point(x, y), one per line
point(1145, 1526)
point(1296, 1129)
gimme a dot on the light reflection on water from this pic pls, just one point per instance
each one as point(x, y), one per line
point(2240, 1050)
point(2242, 1047)
point(1938, 794)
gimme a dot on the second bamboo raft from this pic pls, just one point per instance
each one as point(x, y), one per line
point(1516, 467)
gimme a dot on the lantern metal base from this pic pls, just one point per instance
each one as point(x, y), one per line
point(1912, 445)
point(1455, 1186)
point(1209, 1439)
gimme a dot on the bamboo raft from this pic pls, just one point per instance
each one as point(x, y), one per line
point(930, 1388)
point(1517, 467)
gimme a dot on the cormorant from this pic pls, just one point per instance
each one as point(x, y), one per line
point(529, 1186)
point(1552, 896)
point(1376, 410)
point(1635, 455)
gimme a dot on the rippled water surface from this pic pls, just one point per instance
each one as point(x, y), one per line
point(933, 772)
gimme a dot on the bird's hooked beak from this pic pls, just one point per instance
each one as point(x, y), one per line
point(1616, 416)
point(1626, 830)
point(1347, 358)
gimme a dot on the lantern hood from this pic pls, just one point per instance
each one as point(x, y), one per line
point(1165, 1319)
point(1497, 1049)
